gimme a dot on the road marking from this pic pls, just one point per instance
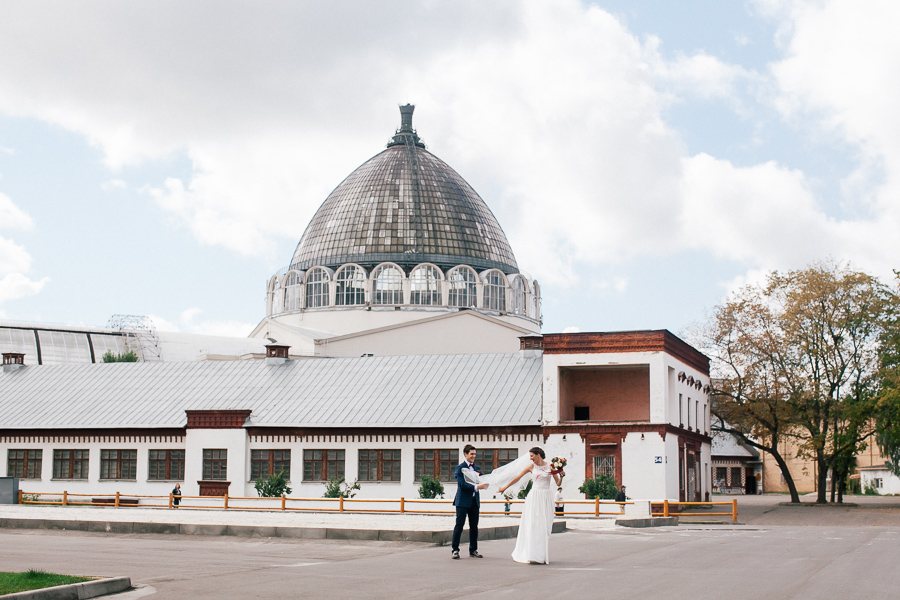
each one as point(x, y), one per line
point(301, 564)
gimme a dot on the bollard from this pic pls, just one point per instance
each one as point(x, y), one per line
point(171, 497)
point(665, 508)
point(341, 504)
point(282, 501)
point(226, 500)
point(596, 507)
point(402, 507)
point(117, 499)
point(65, 497)
point(734, 511)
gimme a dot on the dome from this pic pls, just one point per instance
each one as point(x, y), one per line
point(406, 206)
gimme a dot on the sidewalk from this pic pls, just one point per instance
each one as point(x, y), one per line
point(394, 527)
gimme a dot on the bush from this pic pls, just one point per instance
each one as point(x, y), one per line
point(272, 486)
point(129, 356)
point(870, 489)
point(603, 487)
point(523, 493)
point(338, 488)
point(431, 487)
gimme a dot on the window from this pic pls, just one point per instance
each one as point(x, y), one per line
point(463, 287)
point(877, 481)
point(491, 458)
point(350, 287)
point(215, 464)
point(24, 464)
point(605, 465)
point(680, 410)
point(167, 464)
point(721, 477)
point(436, 463)
point(322, 465)
point(278, 298)
point(70, 464)
point(118, 464)
point(292, 291)
point(269, 462)
point(316, 288)
point(379, 465)
point(387, 285)
point(425, 283)
point(697, 415)
point(689, 413)
point(582, 413)
point(519, 305)
point(495, 291)
point(736, 477)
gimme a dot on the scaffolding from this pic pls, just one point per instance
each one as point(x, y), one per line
point(140, 335)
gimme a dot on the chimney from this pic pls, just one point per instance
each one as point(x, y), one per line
point(277, 354)
point(13, 361)
point(531, 346)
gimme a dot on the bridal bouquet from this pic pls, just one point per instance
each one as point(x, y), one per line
point(557, 465)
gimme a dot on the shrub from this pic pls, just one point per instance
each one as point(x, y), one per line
point(431, 487)
point(870, 489)
point(603, 487)
point(129, 356)
point(272, 486)
point(338, 488)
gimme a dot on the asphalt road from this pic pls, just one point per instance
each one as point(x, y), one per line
point(687, 562)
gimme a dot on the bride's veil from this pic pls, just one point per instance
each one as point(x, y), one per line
point(501, 476)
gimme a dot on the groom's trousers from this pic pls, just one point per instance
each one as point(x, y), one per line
point(461, 513)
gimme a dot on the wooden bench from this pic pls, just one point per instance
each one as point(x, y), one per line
point(112, 501)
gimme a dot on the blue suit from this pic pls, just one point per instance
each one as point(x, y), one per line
point(468, 504)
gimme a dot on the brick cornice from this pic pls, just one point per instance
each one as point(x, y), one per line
point(662, 429)
point(660, 340)
point(216, 419)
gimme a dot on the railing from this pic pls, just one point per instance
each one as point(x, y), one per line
point(421, 506)
point(667, 506)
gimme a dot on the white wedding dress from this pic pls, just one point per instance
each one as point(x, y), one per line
point(533, 541)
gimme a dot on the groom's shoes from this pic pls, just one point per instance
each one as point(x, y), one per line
point(474, 555)
point(455, 555)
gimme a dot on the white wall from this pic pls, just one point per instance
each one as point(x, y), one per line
point(642, 476)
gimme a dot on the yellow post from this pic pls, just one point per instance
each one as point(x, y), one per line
point(341, 504)
point(282, 501)
point(226, 500)
point(20, 496)
point(665, 508)
point(402, 502)
point(596, 507)
point(65, 497)
point(734, 511)
point(117, 499)
point(170, 500)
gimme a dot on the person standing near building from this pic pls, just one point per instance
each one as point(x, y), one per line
point(560, 507)
point(467, 503)
point(620, 495)
point(176, 495)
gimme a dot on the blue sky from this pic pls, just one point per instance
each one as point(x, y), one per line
point(644, 158)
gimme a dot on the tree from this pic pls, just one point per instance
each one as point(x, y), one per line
point(272, 486)
point(888, 411)
point(431, 487)
point(336, 487)
point(129, 356)
point(796, 359)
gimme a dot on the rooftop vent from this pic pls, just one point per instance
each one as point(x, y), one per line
point(13, 361)
point(277, 354)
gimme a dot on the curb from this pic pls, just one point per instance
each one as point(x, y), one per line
point(648, 522)
point(75, 591)
point(439, 538)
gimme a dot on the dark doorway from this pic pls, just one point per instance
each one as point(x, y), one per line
point(750, 481)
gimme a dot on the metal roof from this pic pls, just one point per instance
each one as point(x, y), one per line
point(391, 391)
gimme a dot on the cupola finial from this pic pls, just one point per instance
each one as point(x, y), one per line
point(406, 133)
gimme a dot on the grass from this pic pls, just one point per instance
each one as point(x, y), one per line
point(34, 580)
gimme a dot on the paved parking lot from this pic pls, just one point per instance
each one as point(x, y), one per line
point(687, 562)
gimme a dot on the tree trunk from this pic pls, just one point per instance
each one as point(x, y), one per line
point(821, 477)
point(795, 497)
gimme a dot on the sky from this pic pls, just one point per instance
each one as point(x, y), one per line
point(644, 157)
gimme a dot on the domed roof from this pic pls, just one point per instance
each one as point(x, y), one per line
point(407, 206)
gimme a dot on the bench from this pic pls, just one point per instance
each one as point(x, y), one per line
point(112, 501)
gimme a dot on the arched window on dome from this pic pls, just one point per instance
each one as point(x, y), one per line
point(278, 297)
point(494, 291)
point(292, 291)
point(463, 285)
point(316, 288)
point(535, 301)
point(387, 285)
point(425, 286)
point(519, 296)
point(350, 286)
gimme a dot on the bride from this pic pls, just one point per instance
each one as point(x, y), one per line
point(533, 541)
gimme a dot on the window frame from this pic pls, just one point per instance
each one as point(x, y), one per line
point(29, 462)
point(339, 460)
point(79, 456)
point(496, 460)
point(495, 286)
point(437, 461)
point(427, 278)
point(383, 277)
point(396, 464)
point(124, 460)
point(215, 463)
point(270, 460)
point(462, 283)
point(350, 283)
point(317, 292)
point(169, 463)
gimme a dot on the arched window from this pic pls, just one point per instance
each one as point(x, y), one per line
point(462, 283)
point(494, 291)
point(278, 298)
point(387, 285)
point(316, 288)
point(350, 286)
point(536, 301)
point(292, 291)
point(519, 306)
point(425, 283)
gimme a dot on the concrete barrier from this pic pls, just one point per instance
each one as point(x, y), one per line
point(76, 591)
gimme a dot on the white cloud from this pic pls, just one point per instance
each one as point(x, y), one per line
point(113, 184)
point(17, 285)
point(11, 216)
point(571, 329)
point(230, 328)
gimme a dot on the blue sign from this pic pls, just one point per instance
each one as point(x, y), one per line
point(657, 460)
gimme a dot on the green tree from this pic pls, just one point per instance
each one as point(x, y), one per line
point(431, 487)
point(129, 356)
point(602, 486)
point(336, 487)
point(888, 437)
point(272, 486)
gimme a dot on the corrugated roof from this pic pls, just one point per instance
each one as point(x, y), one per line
point(389, 391)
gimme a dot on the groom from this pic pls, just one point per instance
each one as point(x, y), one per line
point(467, 503)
